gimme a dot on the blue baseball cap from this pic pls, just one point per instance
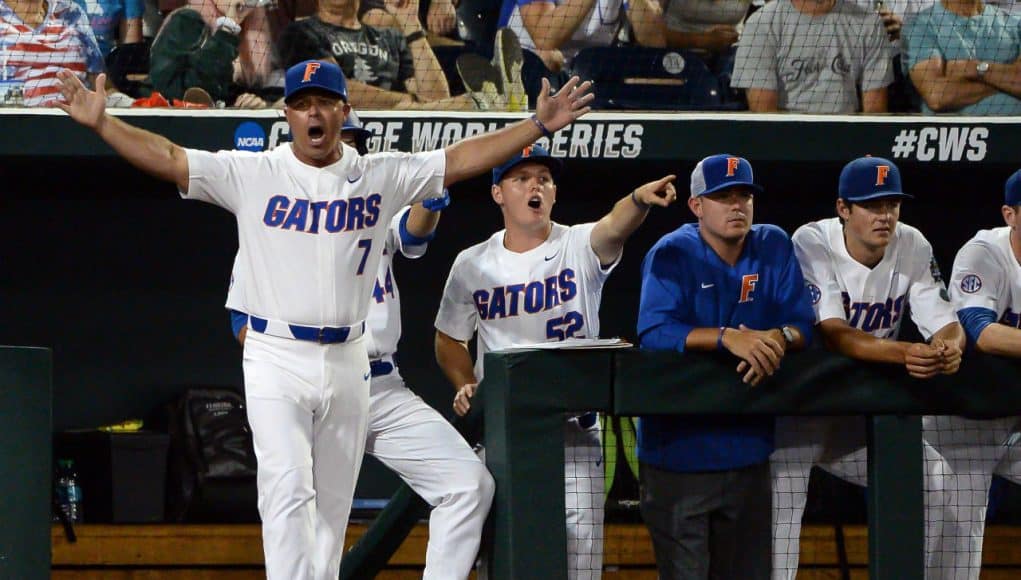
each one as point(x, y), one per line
point(868, 178)
point(353, 125)
point(531, 154)
point(1012, 192)
point(315, 74)
point(721, 171)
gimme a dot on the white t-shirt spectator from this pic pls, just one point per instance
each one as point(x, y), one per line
point(597, 28)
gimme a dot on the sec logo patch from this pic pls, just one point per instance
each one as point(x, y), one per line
point(814, 293)
point(971, 284)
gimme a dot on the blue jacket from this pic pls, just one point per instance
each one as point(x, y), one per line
point(686, 285)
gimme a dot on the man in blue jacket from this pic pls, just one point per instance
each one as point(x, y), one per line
point(719, 285)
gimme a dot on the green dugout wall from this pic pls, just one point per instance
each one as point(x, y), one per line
point(25, 462)
point(526, 393)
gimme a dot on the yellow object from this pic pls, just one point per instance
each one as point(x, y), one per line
point(128, 426)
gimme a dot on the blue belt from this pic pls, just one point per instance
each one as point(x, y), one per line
point(380, 368)
point(587, 420)
point(322, 335)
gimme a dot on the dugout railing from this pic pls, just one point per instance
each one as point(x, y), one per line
point(25, 411)
point(526, 393)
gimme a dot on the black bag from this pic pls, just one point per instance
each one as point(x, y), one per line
point(212, 459)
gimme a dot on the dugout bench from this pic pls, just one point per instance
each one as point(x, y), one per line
point(527, 393)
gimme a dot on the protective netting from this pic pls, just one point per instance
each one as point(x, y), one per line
point(811, 56)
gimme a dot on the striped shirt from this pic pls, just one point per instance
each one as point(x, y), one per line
point(34, 56)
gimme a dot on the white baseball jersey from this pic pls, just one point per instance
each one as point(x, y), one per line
point(546, 294)
point(987, 275)
point(310, 238)
point(384, 321)
point(873, 299)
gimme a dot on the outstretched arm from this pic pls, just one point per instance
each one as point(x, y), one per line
point(628, 213)
point(470, 157)
point(147, 151)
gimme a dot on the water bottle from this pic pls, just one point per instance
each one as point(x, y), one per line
point(69, 493)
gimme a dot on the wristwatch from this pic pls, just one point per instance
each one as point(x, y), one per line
point(788, 334)
point(982, 68)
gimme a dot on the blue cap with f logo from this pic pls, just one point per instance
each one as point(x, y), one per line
point(721, 171)
point(868, 178)
point(315, 74)
point(532, 153)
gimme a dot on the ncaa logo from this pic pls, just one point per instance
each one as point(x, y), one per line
point(814, 293)
point(971, 284)
point(249, 136)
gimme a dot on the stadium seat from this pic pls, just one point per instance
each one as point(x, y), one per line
point(632, 77)
point(476, 24)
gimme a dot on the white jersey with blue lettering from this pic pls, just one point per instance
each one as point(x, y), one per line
point(546, 294)
point(873, 299)
point(987, 275)
point(384, 320)
point(549, 293)
point(383, 323)
point(310, 238)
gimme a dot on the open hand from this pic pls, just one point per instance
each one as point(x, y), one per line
point(85, 106)
point(559, 110)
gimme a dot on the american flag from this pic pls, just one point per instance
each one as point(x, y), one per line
point(34, 56)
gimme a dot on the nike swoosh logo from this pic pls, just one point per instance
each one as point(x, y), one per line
point(704, 285)
point(357, 177)
point(548, 258)
point(366, 377)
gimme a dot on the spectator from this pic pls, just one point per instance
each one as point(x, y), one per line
point(440, 16)
point(814, 57)
point(385, 67)
point(708, 25)
point(962, 56)
point(894, 13)
point(255, 64)
point(114, 21)
point(187, 54)
point(721, 285)
point(556, 31)
point(38, 38)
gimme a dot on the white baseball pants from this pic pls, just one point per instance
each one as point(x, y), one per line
point(974, 451)
point(308, 405)
point(584, 487)
point(424, 449)
point(836, 444)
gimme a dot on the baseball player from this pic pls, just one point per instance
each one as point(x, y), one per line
point(404, 432)
point(312, 220)
point(986, 289)
point(539, 281)
point(720, 285)
point(864, 270)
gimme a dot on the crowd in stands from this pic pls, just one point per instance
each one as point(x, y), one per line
point(805, 56)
